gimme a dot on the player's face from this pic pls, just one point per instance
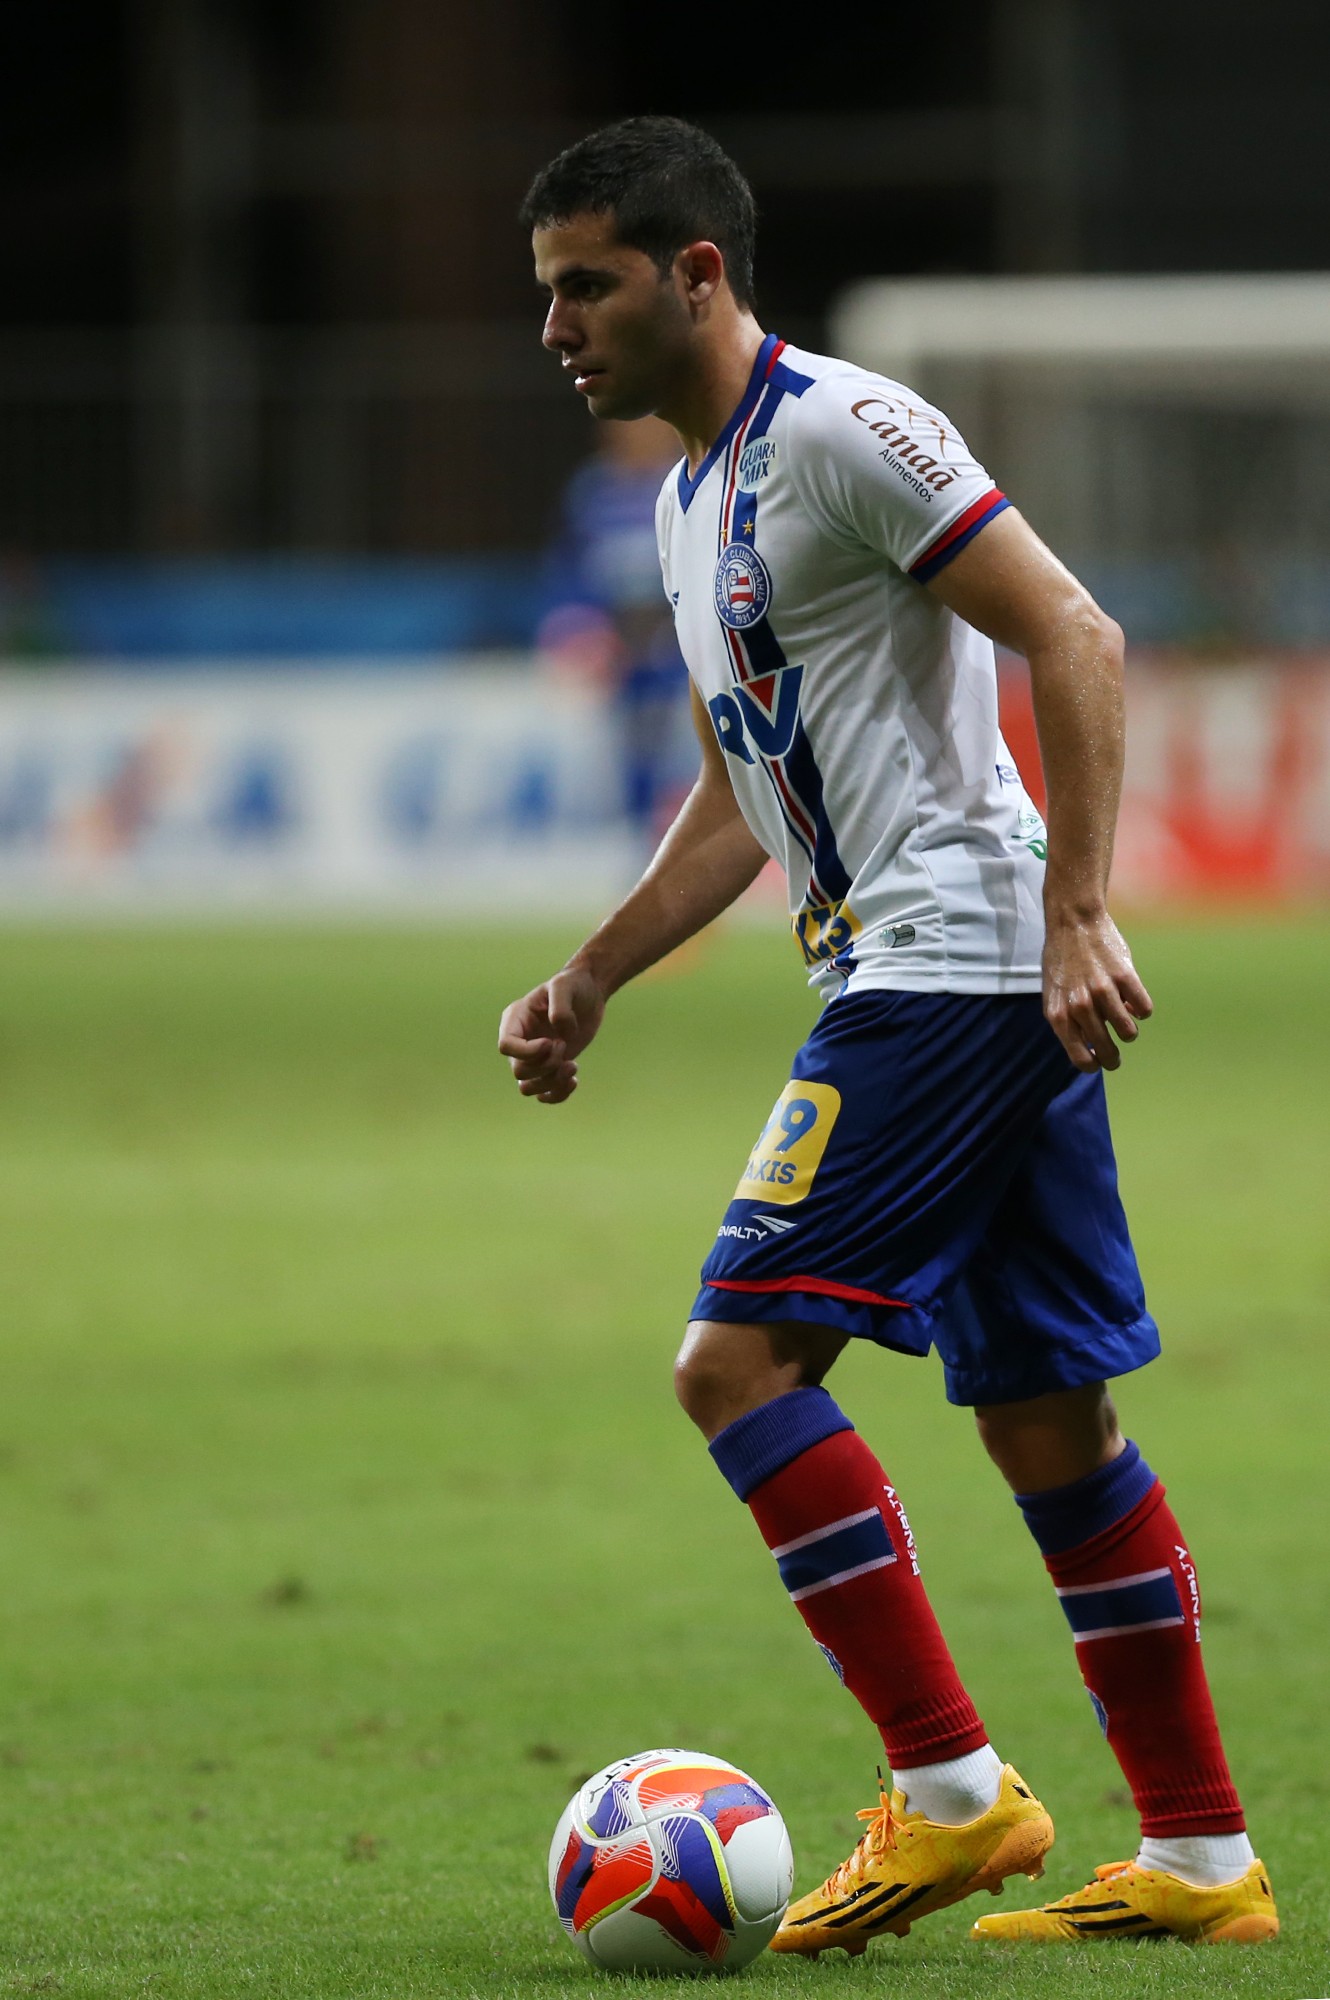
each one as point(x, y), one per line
point(622, 329)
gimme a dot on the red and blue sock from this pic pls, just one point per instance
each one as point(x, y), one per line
point(843, 1546)
point(1128, 1587)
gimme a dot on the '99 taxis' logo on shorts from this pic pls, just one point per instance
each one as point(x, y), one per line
point(790, 1145)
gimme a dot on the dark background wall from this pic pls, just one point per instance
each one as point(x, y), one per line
point(263, 287)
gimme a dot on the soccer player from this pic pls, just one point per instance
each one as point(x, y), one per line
point(938, 1170)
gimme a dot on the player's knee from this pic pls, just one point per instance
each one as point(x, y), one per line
point(1051, 1440)
point(704, 1378)
point(723, 1371)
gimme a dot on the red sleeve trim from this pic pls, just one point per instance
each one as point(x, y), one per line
point(953, 539)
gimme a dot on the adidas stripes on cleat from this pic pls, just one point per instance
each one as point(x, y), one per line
point(1125, 1901)
point(906, 1866)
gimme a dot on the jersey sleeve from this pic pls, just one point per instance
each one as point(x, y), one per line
point(880, 468)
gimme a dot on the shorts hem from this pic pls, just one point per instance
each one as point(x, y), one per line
point(884, 1324)
point(1105, 1354)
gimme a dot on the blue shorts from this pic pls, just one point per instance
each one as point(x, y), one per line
point(937, 1173)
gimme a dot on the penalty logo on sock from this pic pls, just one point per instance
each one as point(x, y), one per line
point(1101, 1713)
point(894, 1501)
point(1188, 1568)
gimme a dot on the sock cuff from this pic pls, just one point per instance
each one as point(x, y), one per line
point(1066, 1516)
point(760, 1444)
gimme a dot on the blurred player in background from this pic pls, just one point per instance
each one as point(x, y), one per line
point(938, 1171)
point(607, 623)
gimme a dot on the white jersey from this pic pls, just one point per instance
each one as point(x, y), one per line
point(858, 715)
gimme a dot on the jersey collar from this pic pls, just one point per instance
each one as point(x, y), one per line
point(757, 382)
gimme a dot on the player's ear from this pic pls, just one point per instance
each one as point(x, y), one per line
point(700, 268)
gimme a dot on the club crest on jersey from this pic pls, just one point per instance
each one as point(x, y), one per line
point(743, 588)
point(755, 462)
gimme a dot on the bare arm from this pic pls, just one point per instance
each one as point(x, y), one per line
point(705, 862)
point(1007, 584)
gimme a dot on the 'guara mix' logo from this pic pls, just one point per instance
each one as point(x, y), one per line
point(756, 461)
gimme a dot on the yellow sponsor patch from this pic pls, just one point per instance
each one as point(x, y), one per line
point(823, 930)
point(790, 1145)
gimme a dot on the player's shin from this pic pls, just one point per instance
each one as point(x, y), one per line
point(1127, 1584)
point(843, 1546)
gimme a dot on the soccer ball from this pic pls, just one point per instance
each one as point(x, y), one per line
point(670, 1861)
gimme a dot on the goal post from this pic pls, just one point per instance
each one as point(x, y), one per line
point(1156, 328)
point(1170, 437)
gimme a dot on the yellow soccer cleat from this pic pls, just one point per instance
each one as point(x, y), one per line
point(906, 1866)
point(1130, 1902)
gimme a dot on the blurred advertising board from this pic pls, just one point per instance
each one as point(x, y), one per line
point(1226, 794)
point(487, 786)
point(498, 787)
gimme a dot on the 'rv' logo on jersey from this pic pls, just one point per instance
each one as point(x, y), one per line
point(765, 710)
point(743, 588)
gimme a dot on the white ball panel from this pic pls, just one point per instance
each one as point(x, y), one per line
point(751, 1939)
point(626, 1942)
point(786, 1868)
point(761, 1867)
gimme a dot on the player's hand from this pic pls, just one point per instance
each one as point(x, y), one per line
point(1092, 991)
point(543, 1034)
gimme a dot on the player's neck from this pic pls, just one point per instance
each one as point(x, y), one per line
point(708, 398)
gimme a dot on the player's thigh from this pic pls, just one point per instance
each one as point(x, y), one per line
point(726, 1368)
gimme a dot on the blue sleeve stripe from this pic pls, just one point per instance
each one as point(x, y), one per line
point(790, 380)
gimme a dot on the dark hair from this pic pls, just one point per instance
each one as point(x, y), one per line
point(666, 184)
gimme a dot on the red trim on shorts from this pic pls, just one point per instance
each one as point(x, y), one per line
point(824, 1286)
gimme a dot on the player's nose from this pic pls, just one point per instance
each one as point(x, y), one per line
point(560, 334)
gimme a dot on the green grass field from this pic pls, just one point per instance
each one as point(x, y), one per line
point(348, 1518)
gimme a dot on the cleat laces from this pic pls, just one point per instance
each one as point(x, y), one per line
point(873, 1845)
